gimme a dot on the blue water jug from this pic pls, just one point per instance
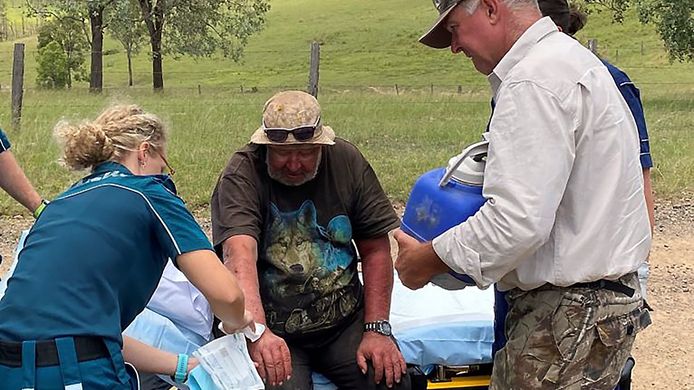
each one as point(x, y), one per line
point(446, 197)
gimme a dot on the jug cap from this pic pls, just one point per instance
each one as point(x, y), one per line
point(468, 167)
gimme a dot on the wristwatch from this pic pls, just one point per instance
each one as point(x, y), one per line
point(382, 327)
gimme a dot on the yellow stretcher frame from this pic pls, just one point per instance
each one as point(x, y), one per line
point(472, 377)
point(469, 383)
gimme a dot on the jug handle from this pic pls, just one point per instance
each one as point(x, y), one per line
point(472, 150)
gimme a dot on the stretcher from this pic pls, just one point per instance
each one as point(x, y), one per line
point(449, 334)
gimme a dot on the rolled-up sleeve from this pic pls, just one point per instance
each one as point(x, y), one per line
point(4, 142)
point(531, 152)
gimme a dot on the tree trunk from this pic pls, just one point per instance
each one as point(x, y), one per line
point(96, 78)
point(157, 66)
point(153, 15)
point(69, 71)
point(130, 67)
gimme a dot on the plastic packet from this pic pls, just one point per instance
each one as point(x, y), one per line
point(227, 362)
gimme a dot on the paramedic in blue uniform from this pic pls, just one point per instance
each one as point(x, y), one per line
point(13, 180)
point(95, 256)
point(571, 20)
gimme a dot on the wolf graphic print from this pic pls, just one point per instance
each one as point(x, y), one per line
point(311, 277)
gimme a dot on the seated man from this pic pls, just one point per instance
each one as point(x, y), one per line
point(284, 214)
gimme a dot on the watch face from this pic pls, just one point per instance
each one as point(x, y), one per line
point(385, 328)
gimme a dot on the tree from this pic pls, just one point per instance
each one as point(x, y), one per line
point(95, 12)
point(67, 34)
point(126, 26)
point(80, 12)
point(200, 28)
point(52, 70)
point(674, 21)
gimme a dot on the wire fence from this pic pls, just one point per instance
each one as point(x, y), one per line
point(214, 78)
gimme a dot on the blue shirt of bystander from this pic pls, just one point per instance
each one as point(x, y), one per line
point(4, 142)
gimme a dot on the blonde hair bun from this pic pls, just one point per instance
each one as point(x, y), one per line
point(118, 130)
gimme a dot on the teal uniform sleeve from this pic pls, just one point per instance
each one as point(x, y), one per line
point(175, 227)
point(4, 142)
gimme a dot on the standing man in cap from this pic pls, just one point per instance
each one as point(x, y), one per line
point(565, 226)
point(287, 213)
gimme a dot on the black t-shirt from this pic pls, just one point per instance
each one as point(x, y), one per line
point(307, 264)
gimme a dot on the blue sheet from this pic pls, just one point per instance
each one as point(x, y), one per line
point(437, 326)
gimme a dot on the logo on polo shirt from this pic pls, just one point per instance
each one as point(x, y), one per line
point(106, 175)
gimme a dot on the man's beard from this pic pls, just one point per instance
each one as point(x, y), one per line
point(277, 176)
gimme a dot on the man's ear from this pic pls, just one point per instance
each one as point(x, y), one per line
point(491, 9)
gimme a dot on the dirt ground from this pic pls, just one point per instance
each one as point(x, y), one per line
point(664, 352)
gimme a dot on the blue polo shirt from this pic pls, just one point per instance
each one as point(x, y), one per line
point(4, 142)
point(633, 98)
point(94, 257)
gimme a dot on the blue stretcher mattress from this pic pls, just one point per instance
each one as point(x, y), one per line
point(437, 326)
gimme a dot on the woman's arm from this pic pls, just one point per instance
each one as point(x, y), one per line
point(218, 285)
point(149, 359)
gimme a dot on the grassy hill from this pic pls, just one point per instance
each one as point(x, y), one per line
point(367, 48)
point(363, 43)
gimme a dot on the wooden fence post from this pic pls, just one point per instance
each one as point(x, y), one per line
point(17, 85)
point(593, 45)
point(313, 70)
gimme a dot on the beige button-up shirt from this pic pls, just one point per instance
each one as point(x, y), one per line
point(563, 179)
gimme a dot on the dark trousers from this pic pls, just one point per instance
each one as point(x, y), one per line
point(152, 382)
point(337, 362)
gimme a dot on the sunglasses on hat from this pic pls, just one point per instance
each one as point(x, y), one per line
point(301, 133)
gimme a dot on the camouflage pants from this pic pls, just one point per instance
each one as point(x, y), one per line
point(568, 338)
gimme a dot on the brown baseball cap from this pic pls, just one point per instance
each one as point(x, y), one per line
point(437, 36)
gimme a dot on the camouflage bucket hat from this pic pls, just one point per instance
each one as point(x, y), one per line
point(292, 118)
point(437, 36)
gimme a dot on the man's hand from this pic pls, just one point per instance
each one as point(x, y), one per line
point(271, 355)
point(385, 357)
point(417, 263)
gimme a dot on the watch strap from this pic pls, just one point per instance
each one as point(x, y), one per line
point(40, 208)
point(381, 327)
point(181, 368)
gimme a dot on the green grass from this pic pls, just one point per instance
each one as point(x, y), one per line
point(367, 48)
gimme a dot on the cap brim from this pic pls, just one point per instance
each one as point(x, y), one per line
point(326, 137)
point(437, 36)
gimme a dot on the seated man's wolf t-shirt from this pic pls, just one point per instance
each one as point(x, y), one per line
point(307, 263)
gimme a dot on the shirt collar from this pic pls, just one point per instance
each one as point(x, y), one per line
point(112, 166)
point(520, 49)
